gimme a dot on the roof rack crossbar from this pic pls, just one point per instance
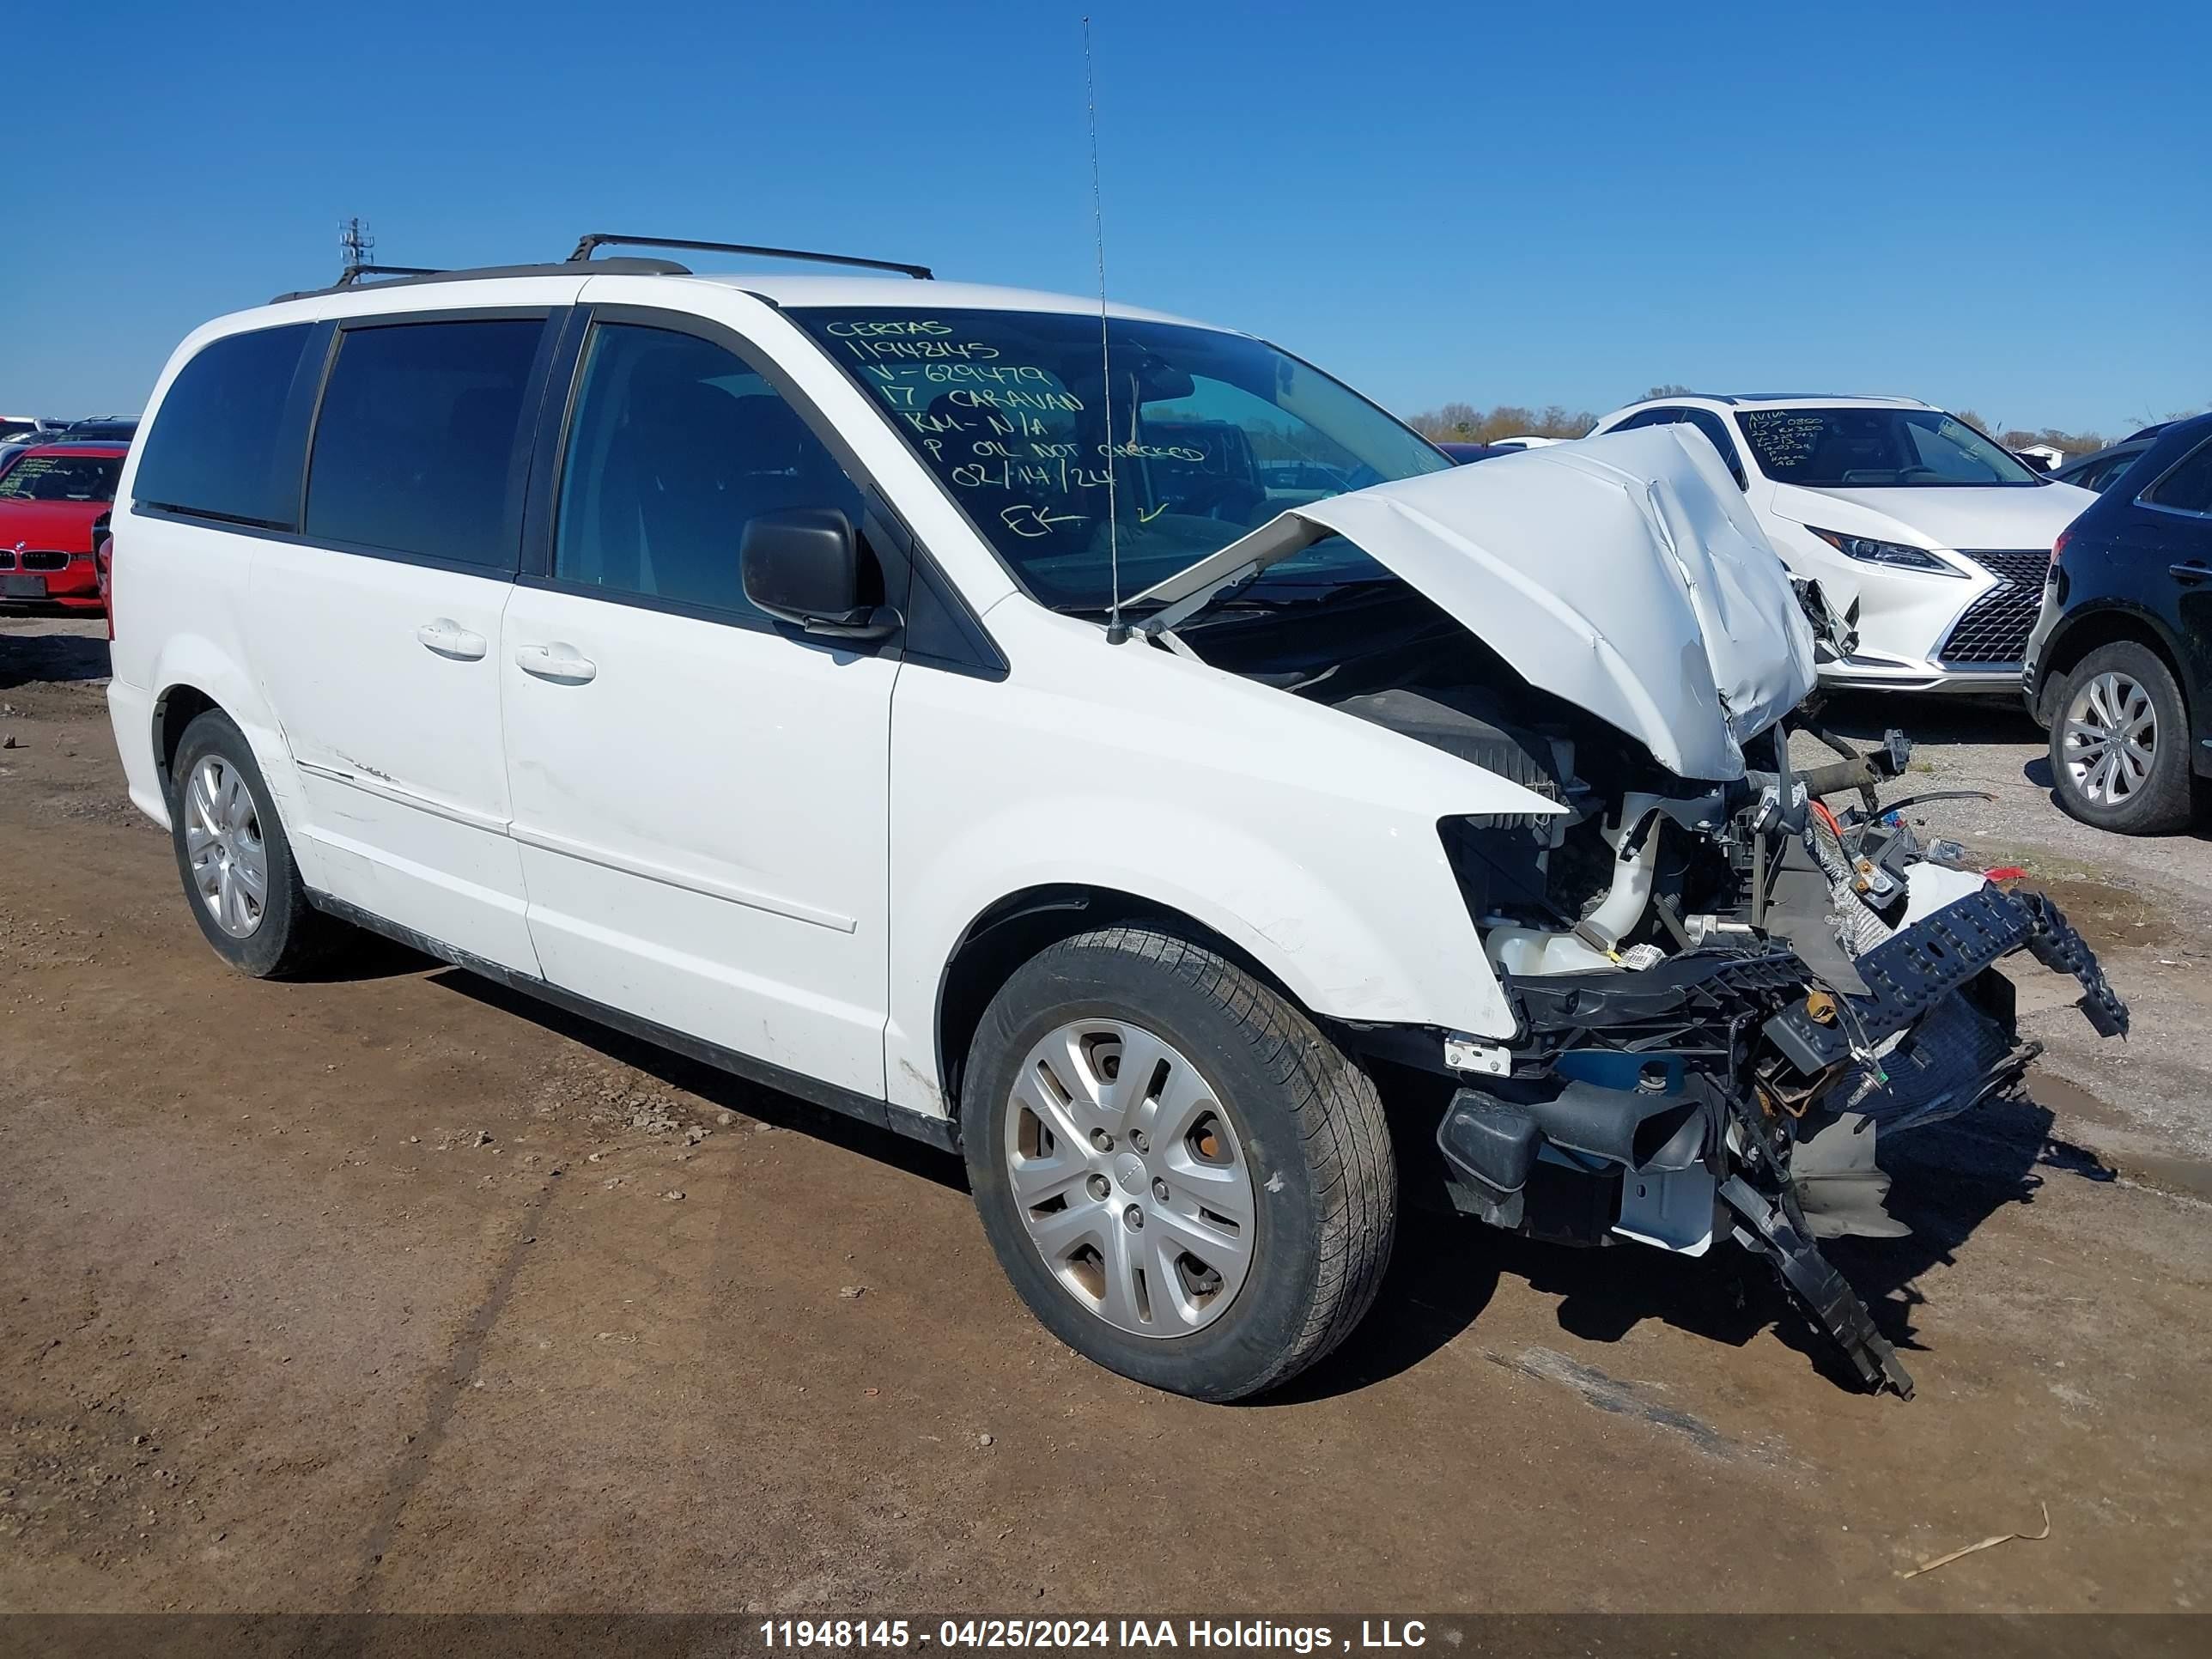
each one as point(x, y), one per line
point(352, 275)
point(586, 247)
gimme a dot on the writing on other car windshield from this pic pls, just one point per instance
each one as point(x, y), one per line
point(1212, 435)
point(1877, 448)
point(62, 478)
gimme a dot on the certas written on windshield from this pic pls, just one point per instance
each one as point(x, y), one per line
point(1212, 435)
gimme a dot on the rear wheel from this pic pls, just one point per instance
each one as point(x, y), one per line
point(2119, 746)
point(1185, 1181)
point(236, 862)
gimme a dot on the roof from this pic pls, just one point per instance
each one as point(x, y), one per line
point(1772, 400)
point(782, 288)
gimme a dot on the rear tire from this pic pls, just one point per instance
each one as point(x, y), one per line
point(1238, 1241)
point(235, 860)
point(2120, 743)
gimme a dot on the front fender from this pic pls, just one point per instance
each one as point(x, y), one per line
point(1306, 838)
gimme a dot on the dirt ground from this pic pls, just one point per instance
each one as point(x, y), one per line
point(392, 1291)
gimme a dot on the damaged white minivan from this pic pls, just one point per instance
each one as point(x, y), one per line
point(1106, 746)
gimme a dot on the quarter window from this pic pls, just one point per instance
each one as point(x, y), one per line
point(416, 449)
point(216, 448)
point(675, 445)
point(2187, 485)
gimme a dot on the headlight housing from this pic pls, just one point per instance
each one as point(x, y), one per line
point(1896, 555)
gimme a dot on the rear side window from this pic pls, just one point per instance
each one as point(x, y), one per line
point(217, 446)
point(2187, 485)
point(416, 448)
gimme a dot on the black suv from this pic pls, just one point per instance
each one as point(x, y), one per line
point(2119, 668)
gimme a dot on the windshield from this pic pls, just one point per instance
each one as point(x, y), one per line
point(1213, 436)
point(62, 478)
point(1877, 449)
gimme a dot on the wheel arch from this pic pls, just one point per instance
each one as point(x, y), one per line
point(2078, 635)
point(1015, 928)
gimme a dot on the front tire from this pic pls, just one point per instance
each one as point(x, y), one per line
point(2119, 743)
point(235, 860)
point(1185, 1180)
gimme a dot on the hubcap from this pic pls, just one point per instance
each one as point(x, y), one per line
point(2110, 738)
point(1129, 1179)
point(223, 845)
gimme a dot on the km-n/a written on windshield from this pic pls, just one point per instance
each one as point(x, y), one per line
point(1212, 435)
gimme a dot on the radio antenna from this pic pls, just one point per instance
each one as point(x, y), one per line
point(1116, 631)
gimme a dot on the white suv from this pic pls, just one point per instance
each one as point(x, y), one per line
point(853, 683)
point(1933, 538)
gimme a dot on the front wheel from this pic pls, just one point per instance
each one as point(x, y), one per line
point(2119, 748)
point(1185, 1180)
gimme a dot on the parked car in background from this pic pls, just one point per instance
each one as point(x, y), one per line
point(2119, 668)
point(1931, 537)
point(25, 426)
point(50, 498)
point(119, 428)
point(2099, 471)
point(1524, 440)
point(2044, 458)
point(1462, 453)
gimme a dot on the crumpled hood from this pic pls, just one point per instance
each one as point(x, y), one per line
point(2019, 516)
point(1624, 574)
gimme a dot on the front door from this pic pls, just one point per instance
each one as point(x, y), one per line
point(699, 795)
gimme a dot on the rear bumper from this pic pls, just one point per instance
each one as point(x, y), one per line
point(130, 711)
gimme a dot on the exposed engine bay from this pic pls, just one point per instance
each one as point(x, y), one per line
point(1728, 994)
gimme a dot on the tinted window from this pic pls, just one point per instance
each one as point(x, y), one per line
point(1710, 424)
point(217, 446)
point(2188, 485)
point(676, 446)
point(415, 446)
point(62, 478)
point(1649, 417)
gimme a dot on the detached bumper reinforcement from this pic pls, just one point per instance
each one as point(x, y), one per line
point(1907, 974)
point(1830, 1301)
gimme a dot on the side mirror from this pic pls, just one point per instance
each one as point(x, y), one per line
point(807, 567)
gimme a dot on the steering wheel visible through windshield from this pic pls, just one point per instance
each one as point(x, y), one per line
point(1212, 435)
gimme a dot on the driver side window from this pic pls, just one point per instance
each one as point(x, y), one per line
point(675, 445)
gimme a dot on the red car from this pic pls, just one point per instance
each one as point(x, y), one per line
point(50, 497)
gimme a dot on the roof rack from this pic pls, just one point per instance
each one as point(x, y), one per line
point(406, 276)
point(586, 247)
point(346, 283)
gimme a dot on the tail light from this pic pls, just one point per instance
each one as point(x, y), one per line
point(2059, 546)
point(103, 564)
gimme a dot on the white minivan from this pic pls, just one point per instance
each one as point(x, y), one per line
point(916, 697)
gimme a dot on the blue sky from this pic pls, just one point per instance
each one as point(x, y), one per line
point(2006, 207)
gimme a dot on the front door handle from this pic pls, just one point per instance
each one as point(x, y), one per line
point(2190, 573)
point(449, 639)
point(558, 663)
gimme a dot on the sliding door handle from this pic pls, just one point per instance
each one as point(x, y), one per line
point(450, 640)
